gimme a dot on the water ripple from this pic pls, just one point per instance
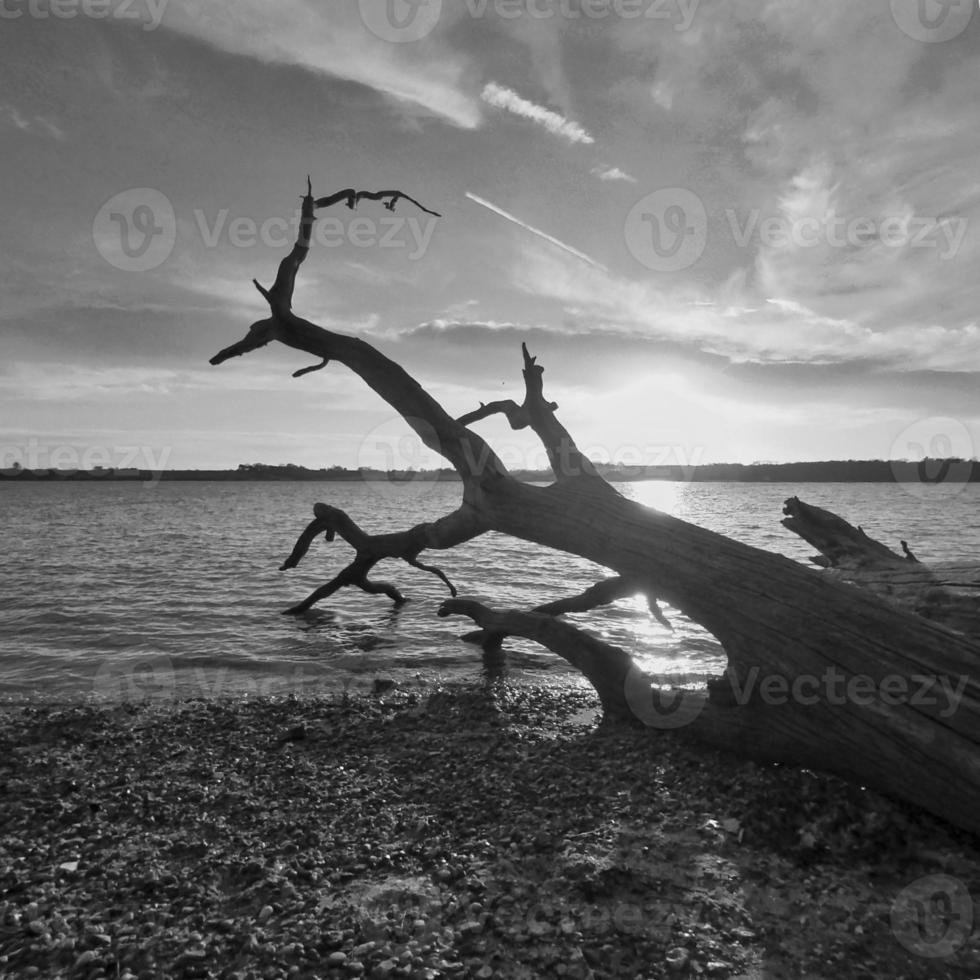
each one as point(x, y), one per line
point(99, 579)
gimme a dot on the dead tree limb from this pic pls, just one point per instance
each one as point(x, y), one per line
point(605, 667)
point(447, 532)
point(872, 691)
point(601, 594)
point(945, 592)
point(538, 414)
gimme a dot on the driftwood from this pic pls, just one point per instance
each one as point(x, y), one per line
point(820, 673)
point(945, 592)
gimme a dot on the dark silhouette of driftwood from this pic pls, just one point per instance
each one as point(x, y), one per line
point(945, 592)
point(820, 673)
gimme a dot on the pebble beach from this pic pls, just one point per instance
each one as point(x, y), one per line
point(480, 830)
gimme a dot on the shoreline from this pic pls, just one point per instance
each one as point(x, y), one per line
point(457, 830)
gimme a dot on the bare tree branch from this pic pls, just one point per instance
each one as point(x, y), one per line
point(605, 666)
point(355, 575)
point(469, 455)
point(601, 594)
point(351, 198)
point(565, 458)
point(310, 370)
point(517, 415)
point(447, 532)
point(259, 334)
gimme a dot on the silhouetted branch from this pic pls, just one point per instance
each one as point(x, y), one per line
point(470, 455)
point(566, 459)
point(840, 543)
point(517, 415)
point(602, 594)
point(312, 368)
point(259, 334)
point(605, 666)
point(350, 197)
point(354, 575)
point(455, 528)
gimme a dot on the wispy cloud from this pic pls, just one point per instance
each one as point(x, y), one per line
point(736, 324)
point(535, 231)
point(505, 98)
point(37, 125)
point(612, 173)
point(332, 39)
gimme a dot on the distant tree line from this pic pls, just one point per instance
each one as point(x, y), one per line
point(935, 471)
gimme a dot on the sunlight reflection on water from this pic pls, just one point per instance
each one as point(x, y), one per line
point(98, 576)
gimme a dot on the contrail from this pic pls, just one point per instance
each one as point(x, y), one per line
point(535, 231)
point(505, 98)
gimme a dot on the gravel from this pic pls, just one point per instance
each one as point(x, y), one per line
point(462, 831)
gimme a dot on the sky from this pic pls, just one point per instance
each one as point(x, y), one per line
point(731, 230)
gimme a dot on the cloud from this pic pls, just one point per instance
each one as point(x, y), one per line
point(331, 39)
point(612, 173)
point(734, 323)
point(534, 231)
point(37, 125)
point(505, 98)
point(663, 96)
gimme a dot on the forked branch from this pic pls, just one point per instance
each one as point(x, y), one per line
point(471, 457)
point(537, 413)
point(331, 522)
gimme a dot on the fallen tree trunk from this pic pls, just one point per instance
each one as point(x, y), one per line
point(819, 673)
point(945, 592)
